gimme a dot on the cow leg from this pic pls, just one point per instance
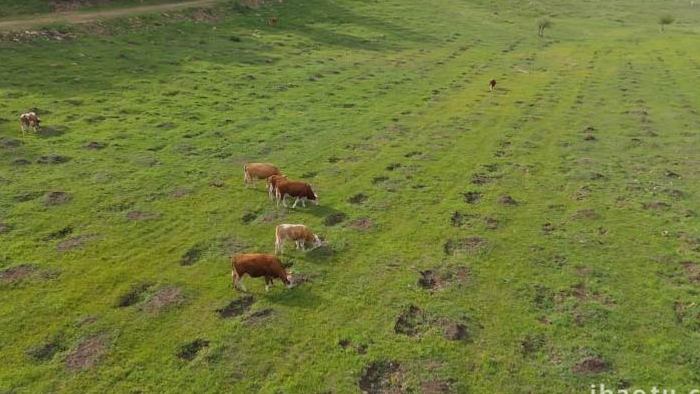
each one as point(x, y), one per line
point(268, 282)
point(295, 203)
point(279, 246)
point(284, 200)
point(237, 281)
point(303, 202)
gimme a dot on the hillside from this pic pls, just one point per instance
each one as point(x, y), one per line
point(539, 238)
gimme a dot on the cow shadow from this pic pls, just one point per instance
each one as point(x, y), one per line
point(51, 131)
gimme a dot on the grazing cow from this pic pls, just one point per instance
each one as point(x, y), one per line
point(492, 85)
point(253, 171)
point(300, 234)
point(272, 21)
point(300, 190)
point(257, 265)
point(29, 119)
point(272, 182)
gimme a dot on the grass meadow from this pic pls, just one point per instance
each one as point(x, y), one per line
point(539, 238)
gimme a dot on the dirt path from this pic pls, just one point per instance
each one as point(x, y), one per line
point(91, 16)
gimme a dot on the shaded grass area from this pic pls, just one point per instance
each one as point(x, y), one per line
point(506, 249)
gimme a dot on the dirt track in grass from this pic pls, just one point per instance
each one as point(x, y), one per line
point(92, 16)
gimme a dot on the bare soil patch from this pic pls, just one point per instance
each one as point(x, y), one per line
point(189, 350)
point(531, 344)
point(163, 299)
point(59, 234)
point(17, 273)
point(75, 242)
point(591, 365)
point(88, 353)
point(249, 217)
point(439, 278)
point(360, 348)
point(382, 377)
point(217, 183)
point(56, 198)
point(9, 143)
point(134, 295)
point(454, 331)
point(236, 307)
point(192, 255)
point(141, 215)
point(362, 224)
point(230, 245)
point(436, 387)
point(53, 159)
point(469, 245)
point(491, 223)
point(358, 198)
point(507, 200)
point(334, 218)
point(45, 351)
point(95, 145)
point(259, 316)
point(481, 179)
point(692, 270)
point(411, 321)
point(472, 197)
point(585, 214)
point(656, 205)
point(460, 219)
point(180, 192)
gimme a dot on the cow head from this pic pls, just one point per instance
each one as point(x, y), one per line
point(315, 200)
point(290, 279)
point(318, 241)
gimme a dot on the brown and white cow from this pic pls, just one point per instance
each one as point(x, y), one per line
point(300, 190)
point(272, 182)
point(257, 265)
point(29, 120)
point(492, 85)
point(300, 234)
point(253, 171)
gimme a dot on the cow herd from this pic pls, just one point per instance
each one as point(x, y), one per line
point(269, 266)
point(279, 188)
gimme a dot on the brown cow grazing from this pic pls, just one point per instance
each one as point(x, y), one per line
point(272, 183)
point(272, 21)
point(300, 234)
point(492, 85)
point(29, 119)
point(253, 171)
point(300, 190)
point(257, 265)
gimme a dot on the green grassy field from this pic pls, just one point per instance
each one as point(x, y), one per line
point(557, 215)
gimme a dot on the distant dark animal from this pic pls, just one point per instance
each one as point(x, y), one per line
point(257, 265)
point(272, 182)
point(492, 85)
point(300, 190)
point(300, 234)
point(253, 171)
point(29, 120)
point(272, 21)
